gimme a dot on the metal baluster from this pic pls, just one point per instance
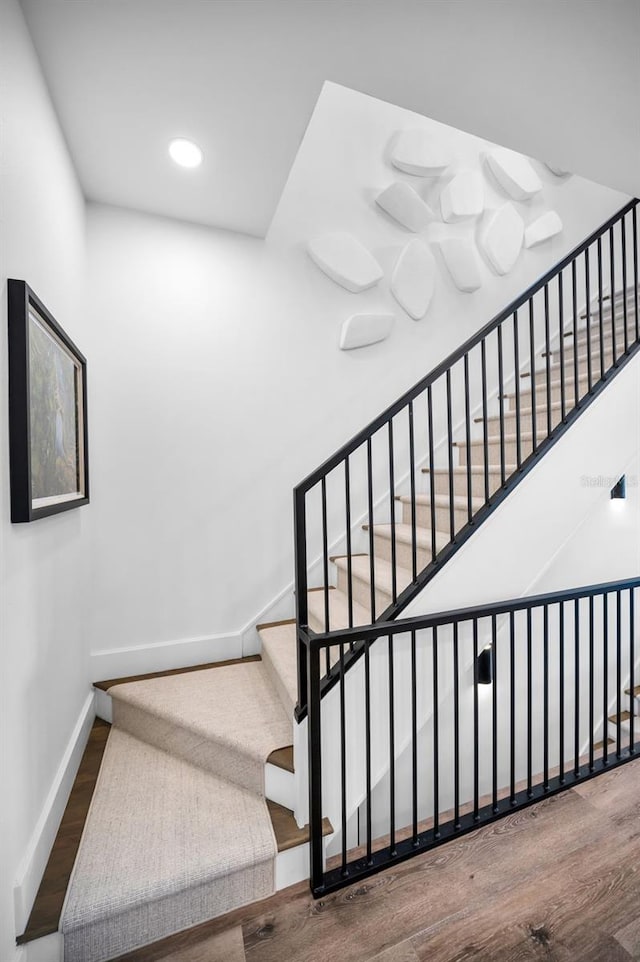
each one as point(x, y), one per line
point(512, 707)
point(367, 730)
point(392, 752)
point(605, 677)
point(343, 763)
point(561, 696)
point(494, 713)
point(432, 482)
point(436, 762)
point(516, 361)
point(467, 421)
point(325, 564)
point(372, 572)
point(503, 475)
point(476, 774)
point(563, 373)
point(623, 240)
point(547, 340)
point(485, 427)
point(588, 318)
point(452, 521)
point(612, 275)
point(529, 707)
point(632, 681)
point(591, 680)
point(574, 288)
point(347, 501)
point(392, 494)
point(532, 371)
point(599, 252)
point(412, 482)
point(315, 767)
point(636, 279)
point(545, 696)
point(302, 598)
point(414, 738)
point(618, 675)
point(576, 707)
point(456, 729)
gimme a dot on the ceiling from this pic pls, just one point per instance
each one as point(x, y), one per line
point(556, 80)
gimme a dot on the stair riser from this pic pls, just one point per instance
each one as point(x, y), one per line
point(460, 484)
point(569, 353)
point(526, 421)
point(403, 553)
point(362, 592)
point(583, 372)
point(625, 732)
point(607, 332)
point(423, 516)
point(494, 451)
point(556, 393)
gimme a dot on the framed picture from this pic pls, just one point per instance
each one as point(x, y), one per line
point(47, 411)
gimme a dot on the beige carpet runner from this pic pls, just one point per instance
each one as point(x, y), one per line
point(178, 831)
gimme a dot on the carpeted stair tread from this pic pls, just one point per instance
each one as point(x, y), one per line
point(165, 847)
point(227, 720)
point(338, 612)
point(280, 660)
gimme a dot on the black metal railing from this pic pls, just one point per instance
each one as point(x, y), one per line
point(502, 400)
point(453, 720)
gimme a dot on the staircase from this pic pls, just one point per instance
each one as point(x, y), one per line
point(192, 815)
point(426, 522)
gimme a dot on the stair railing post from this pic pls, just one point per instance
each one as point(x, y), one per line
point(314, 728)
point(302, 607)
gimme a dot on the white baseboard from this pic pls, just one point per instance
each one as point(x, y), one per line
point(35, 859)
point(184, 652)
point(48, 949)
point(163, 656)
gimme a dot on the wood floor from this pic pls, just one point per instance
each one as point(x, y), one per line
point(558, 882)
point(45, 915)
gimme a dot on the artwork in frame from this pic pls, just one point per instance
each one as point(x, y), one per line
point(47, 411)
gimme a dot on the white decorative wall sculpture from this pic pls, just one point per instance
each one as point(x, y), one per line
point(359, 330)
point(405, 205)
point(558, 171)
point(416, 152)
point(514, 173)
point(414, 278)
point(460, 256)
point(346, 261)
point(543, 228)
point(501, 238)
point(463, 197)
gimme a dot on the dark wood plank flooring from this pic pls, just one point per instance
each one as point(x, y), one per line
point(557, 882)
point(47, 907)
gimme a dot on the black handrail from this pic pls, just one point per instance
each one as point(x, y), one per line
point(454, 616)
point(500, 460)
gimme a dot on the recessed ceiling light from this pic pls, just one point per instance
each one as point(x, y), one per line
point(185, 153)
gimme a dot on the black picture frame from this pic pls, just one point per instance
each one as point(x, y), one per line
point(48, 432)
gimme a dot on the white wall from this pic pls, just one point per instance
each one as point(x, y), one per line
point(44, 565)
point(216, 382)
